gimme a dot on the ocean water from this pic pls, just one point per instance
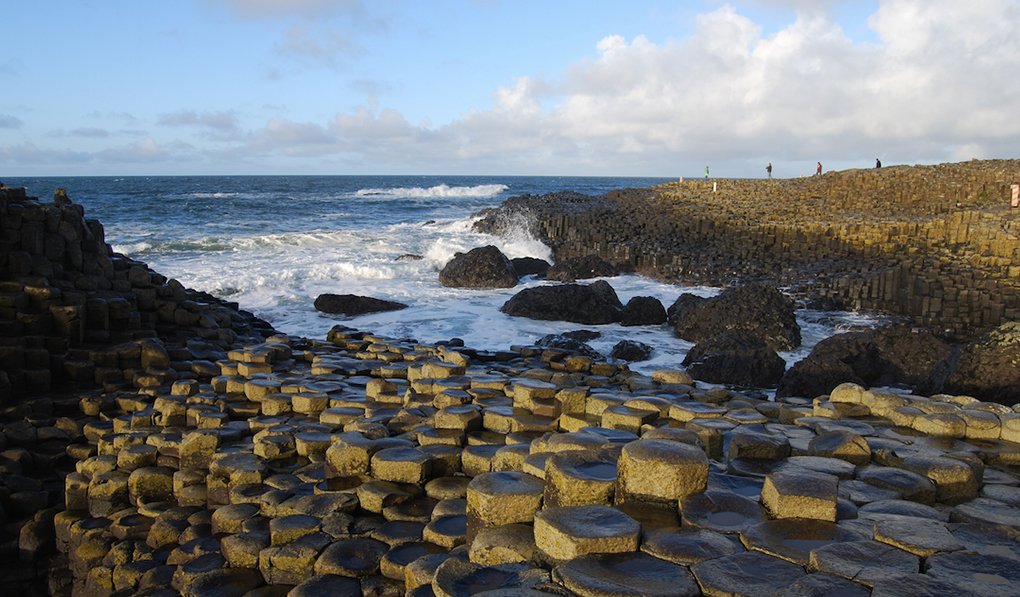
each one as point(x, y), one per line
point(274, 243)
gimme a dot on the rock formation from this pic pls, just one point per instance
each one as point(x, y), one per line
point(481, 267)
point(350, 304)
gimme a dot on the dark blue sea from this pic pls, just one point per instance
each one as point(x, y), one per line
point(274, 243)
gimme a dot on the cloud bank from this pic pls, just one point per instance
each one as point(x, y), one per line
point(938, 85)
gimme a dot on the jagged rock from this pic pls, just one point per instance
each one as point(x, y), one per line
point(481, 267)
point(987, 367)
point(567, 343)
point(643, 310)
point(351, 304)
point(607, 292)
point(408, 257)
point(753, 310)
point(891, 355)
point(629, 350)
point(736, 360)
point(530, 266)
point(563, 302)
point(581, 268)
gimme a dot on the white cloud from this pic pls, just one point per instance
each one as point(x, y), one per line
point(938, 84)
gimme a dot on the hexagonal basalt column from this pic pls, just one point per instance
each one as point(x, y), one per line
point(565, 533)
point(660, 471)
point(800, 494)
point(502, 498)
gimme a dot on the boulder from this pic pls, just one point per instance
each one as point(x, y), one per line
point(564, 302)
point(481, 267)
point(581, 268)
point(350, 304)
point(607, 292)
point(987, 367)
point(736, 360)
point(567, 343)
point(530, 266)
point(891, 355)
point(754, 310)
point(629, 350)
point(643, 310)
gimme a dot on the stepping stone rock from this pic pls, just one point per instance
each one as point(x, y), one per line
point(866, 562)
point(564, 533)
point(457, 578)
point(988, 538)
point(984, 574)
point(504, 544)
point(841, 444)
point(686, 546)
point(919, 536)
point(228, 582)
point(626, 574)
point(954, 479)
point(919, 585)
point(500, 498)
point(912, 486)
point(800, 494)
point(986, 511)
point(747, 574)
point(793, 539)
point(354, 558)
point(660, 471)
point(823, 585)
point(720, 511)
point(579, 478)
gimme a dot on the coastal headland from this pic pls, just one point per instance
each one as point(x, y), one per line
point(938, 245)
point(159, 441)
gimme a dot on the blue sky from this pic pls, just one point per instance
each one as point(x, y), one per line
point(498, 87)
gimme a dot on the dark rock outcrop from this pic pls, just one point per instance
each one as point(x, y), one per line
point(352, 304)
point(481, 267)
point(564, 342)
point(607, 292)
point(632, 351)
point(562, 302)
point(989, 367)
point(408, 257)
point(754, 310)
point(581, 268)
point(735, 360)
point(530, 266)
point(643, 310)
point(892, 355)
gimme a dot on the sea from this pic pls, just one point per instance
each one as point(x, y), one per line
point(274, 243)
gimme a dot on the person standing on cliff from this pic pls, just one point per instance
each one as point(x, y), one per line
point(769, 170)
point(706, 172)
point(878, 163)
point(818, 171)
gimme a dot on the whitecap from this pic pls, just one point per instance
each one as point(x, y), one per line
point(436, 192)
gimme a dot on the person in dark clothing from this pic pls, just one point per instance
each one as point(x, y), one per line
point(878, 163)
point(769, 169)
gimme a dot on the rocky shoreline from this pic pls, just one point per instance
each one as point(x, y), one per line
point(191, 450)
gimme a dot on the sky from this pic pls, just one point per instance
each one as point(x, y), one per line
point(501, 87)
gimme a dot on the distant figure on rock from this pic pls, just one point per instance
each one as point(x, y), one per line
point(769, 170)
point(878, 163)
point(706, 172)
point(818, 171)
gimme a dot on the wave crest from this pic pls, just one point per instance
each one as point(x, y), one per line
point(436, 192)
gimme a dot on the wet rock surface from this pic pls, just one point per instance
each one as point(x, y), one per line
point(369, 465)
point(756, 311)
point(350, 304)
point(481, 267)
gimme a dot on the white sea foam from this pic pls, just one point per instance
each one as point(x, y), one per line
point(132, 248)
point(436, 192)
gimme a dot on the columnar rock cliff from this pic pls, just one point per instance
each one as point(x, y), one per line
point(73, 312)
point(937, 244)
